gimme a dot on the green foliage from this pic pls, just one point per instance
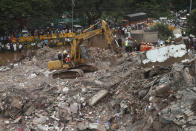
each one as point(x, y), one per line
point(163, 31)
point(180, 4)
point(17, 14)
point(191, 22)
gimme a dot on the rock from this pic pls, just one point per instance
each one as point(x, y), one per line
point(30, 110)
point(192, 128)
point(17, 120)
point(74, 108)
point(93, 125)
point(32, 76)
point(7, 122)
point(142, 93)
point(82, 125)
point(16, 102)
point(161, 89)
point(97, 82)
point(4, 68)
point(40, 120)
point(86, 125)
point(97, 97)
point(65, 90)
point(187, 77)
point(192, 120)
point(177, 68)
point(43, 127)
point(84, 90)
point(34, 60)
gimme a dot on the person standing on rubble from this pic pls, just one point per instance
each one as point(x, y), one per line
point(67, 59)
point(8, 46)
point(130, 45)
point(65, 53)
point(126, 45)
point(135, 45)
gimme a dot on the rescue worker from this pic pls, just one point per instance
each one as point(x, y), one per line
point(67, 59)
point(138, 46)
point(65, 55)
point(143, 47)
point(59, 55)
point(126, 45)
point(166, 42)
point(130, 45)
point(134, 45)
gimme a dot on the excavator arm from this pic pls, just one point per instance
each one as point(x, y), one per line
point(87, 34)
point(107, 32)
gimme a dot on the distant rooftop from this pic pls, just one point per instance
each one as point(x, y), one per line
point(136, 14)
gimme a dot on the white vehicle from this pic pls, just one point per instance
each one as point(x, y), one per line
point(25, 33)
point(77, 28)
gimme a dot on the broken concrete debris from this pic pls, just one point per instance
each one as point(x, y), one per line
point(97, 97)
point(127, 96)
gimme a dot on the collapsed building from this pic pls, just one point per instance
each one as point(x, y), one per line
point(128, 92)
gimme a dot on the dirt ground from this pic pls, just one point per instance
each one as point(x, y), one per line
point(121, 96)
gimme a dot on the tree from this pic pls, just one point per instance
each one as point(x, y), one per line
point(180, 4)
point(191, 22)
point(163, 31)
point(17, 14)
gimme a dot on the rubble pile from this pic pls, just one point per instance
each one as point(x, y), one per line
point(43, 56)
point(122, 95)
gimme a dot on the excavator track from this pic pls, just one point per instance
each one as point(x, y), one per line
point(67, 74)
point(73, 73)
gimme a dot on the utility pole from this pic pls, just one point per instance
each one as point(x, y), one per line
point(73, 4)
point(190, 5)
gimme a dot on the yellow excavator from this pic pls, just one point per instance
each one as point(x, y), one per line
point(76, 67)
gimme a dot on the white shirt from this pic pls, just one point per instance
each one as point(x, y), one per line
point(20, 46)
point(14, 47)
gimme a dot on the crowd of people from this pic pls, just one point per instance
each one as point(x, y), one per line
point(14, 47)
point(7, 44)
